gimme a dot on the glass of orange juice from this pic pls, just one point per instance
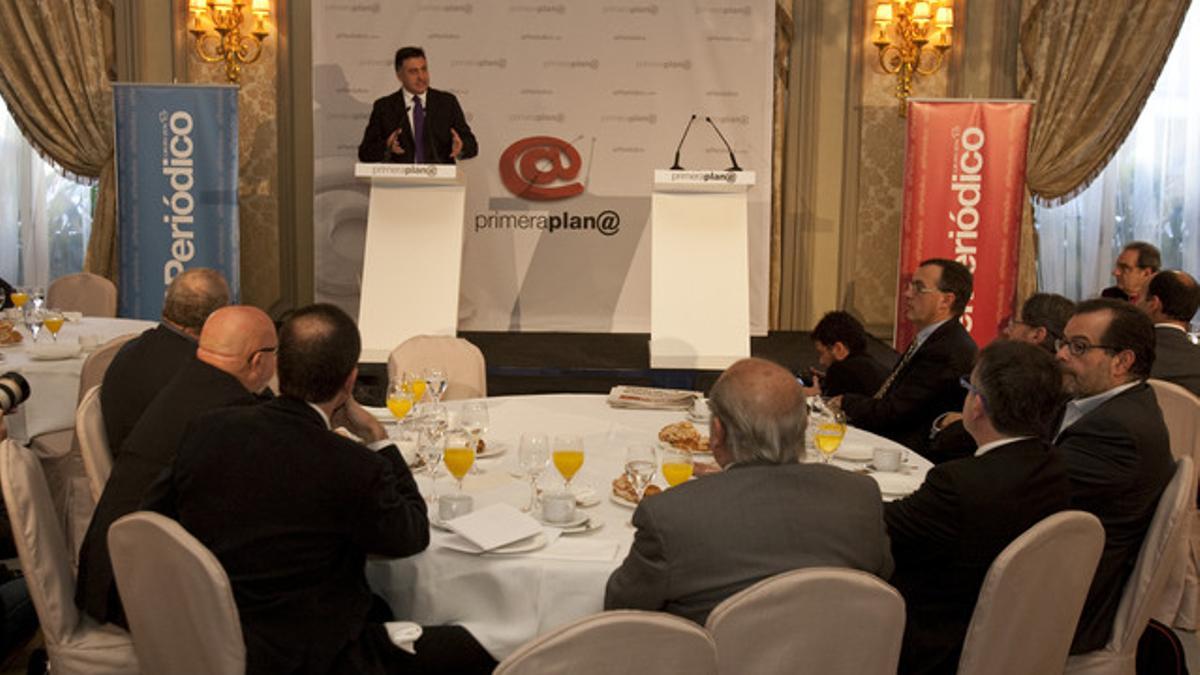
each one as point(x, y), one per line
point(53, 321)
point(828, 436)
point(459, 454)
point(567, 455)
point(676, 466)
point(415, 386)
point(399, 399)
point(19, 297)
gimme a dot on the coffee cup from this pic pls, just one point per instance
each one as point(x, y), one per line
point(558, 507)
point(454, 505)
point(700, 408)
point(887, 459)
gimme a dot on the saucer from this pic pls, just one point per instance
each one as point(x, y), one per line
point(579, 519)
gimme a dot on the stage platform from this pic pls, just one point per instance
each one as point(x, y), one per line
point(548, 363)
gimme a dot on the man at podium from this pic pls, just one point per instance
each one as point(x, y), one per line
point(416, 125)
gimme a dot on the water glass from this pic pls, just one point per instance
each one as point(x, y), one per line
point(533, 454)
point(640, 467)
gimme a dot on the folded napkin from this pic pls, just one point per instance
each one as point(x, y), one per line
point(581, 550)
point(404, 634)
point(52, 351)
point(494, 526)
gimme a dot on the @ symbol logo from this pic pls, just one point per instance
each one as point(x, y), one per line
point(530, 165)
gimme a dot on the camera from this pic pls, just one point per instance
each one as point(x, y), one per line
point(14, 390)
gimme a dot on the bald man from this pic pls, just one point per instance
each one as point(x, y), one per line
point(766, 513)
point(235, 359)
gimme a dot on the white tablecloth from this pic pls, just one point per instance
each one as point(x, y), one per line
point(54, 385)
point(506, 601)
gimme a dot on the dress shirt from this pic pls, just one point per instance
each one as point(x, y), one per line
point(986, 447)
point(1176, 326)
point(924, 333)
point(373, 445)
point(1082, 406)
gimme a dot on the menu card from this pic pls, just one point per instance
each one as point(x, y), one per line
point(650, 398)
point(494, 526)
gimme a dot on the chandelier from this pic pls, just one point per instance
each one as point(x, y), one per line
point(216, 28)
point(912, 38)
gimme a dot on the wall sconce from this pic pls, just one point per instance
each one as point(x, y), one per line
point(912, 37)
point(216, 28)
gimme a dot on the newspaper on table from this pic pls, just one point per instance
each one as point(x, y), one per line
point(650, 398)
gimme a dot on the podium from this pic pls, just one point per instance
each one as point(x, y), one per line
point(700, 269)
point(413, 254)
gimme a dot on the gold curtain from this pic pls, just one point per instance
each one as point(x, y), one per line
point(1090, 66)
point(783, 48)
point(54, 78)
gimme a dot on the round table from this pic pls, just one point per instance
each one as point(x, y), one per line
point(507, 600)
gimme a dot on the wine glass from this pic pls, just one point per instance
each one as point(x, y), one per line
point(568, 456)
point(414, 385)
point(33, 322)
point(532, 455)
point(19, 297)
point(459, 454)
point(677, 466)
point(435, 379)
point(831, 429)
point(474, 419)
point(431, 446)
point(53, 321)
point(399, 399)
point(640, 467)
point(38, 297)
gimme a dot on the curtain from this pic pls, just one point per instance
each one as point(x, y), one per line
point(54, 78)
point(1150, 191)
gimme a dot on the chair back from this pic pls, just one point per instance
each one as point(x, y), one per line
point(93, 441)
point(1032, 596)
point(1181, 412)
point(97, 363)
point(466, 370)
point(623, 641)
point(827, 620)
point(177, 598)
point(83, 292)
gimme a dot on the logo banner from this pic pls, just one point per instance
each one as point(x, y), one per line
point(177, 180)
point(964, 179)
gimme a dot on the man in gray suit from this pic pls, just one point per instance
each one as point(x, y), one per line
point(1171, 299)
point(703, 541)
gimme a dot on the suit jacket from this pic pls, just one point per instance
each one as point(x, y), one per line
point(856, 374)
point(138, 372)
point(1119, 461)
point(703, 541)
point(146, 453)
point(924, 388)
point(442, 113)
point(291, 510)
point(947, 533)
point(1176, 359)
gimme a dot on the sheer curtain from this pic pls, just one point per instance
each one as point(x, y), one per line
point(1150, 191)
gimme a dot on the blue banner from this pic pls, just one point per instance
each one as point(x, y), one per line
point(177, 180)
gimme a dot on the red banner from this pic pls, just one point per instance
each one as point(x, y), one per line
point(964, 179)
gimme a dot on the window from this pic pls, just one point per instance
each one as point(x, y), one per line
point(45, 218)
point(1150, 191)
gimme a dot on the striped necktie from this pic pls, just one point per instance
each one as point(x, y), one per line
point(887, 384)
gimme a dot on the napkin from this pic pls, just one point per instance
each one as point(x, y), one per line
point(494, 526)
point(52, 351)
point(404, 634)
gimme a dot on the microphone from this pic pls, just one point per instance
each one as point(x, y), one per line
point(733, 159)
point(675, 166)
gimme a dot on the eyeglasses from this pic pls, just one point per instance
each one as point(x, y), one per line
point(966, 384)
point(261, 350)
point(920, 288)
point(1079, 346)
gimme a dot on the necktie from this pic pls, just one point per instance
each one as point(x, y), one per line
point(887, 384)
point(419, 130)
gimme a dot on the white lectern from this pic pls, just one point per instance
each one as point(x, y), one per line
point(700, 269)
point(413, 254)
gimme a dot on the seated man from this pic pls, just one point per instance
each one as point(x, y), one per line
point(146, 363)
point(1171, 300)
point(235, 360)
point(924, 383)
point(1114, 442)
point(703, 541)
point(947, 533)
point(1135, 265)
point(841, 344)
point(292, 509)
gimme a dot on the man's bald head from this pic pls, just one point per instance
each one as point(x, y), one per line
point(192, 296)
point(240, 340)
point(760, 408)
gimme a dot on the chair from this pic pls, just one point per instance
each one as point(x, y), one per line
point(177, 598)
point(622, 641)
point(1032, 596)
point(75, 643)
point(466, 371)
point(820, 620)
point(1159, 552)
point(93, 443)
point(1180, 605)
point(83, 292)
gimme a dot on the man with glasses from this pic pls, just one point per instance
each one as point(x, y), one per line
point(1135, 265)
point(947, 533)
point(235, 359)
point(1113, 440)
point(1171, 300)
point(924, 383)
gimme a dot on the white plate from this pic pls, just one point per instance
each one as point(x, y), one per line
point(855, 453)
point(525, 545)
point(663, 445)
point(52, 351)
point(492, 449)
point(579, 519)
point(591, 525)
point(895, 484)
point(621, 501)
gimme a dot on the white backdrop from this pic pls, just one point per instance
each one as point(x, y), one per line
point(617, 81)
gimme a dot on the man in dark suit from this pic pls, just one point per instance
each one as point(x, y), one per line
point(235, 359)
point(924, 383)
point(146, 363)
point(292, 509)
point(703, 541)
point(1115, 445)
point(947, 533)
point(416, 125)
point(1135, 265)
point(1171, 300)
point(841, 343)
